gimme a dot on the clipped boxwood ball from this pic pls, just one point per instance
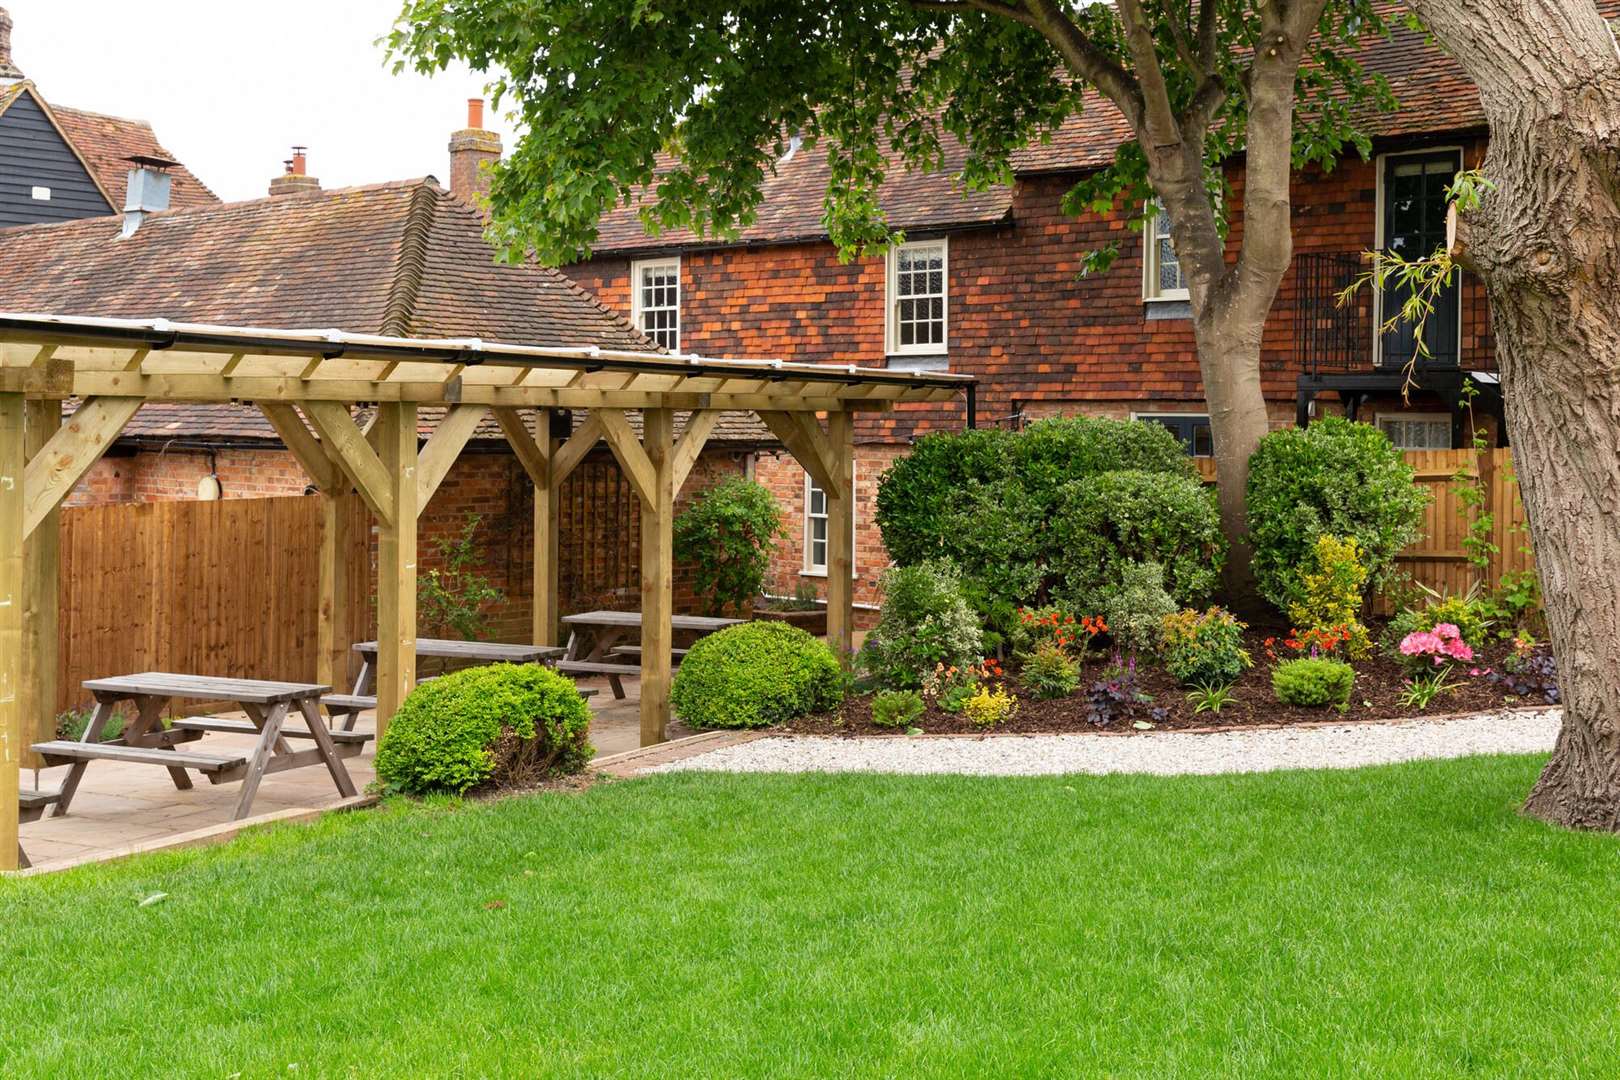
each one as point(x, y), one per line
point(501, 725)
point(756, 674)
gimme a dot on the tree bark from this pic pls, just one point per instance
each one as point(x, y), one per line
point(1546, 243)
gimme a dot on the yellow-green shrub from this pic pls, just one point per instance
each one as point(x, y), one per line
point(989, 707)
point(1330, 596)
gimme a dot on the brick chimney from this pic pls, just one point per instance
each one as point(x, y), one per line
point(295, 180)
point(472, 151)
point(8, 70)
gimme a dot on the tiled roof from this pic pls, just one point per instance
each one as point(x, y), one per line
point(1435, 98)
point(203, 422)
point(104, 142)
point(791, 208)
point(404, 258)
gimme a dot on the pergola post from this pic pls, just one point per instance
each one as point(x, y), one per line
point(547, 522)
point(42, 567)
point(12, 697)
point(657, 573)
point(841, 535)
point(396, 561)
point(338, 625)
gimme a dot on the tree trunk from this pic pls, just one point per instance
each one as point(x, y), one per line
point(1229, 360)
point(1546, 242)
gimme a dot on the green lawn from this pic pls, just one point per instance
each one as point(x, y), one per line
point(1398, 921)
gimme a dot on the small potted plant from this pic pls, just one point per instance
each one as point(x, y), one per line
point(803, 609)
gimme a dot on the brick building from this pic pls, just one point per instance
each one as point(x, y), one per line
point(989, 283)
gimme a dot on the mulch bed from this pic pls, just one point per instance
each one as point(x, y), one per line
point(1379, 684)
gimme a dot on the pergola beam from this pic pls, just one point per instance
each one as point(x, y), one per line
point(804, 439)
point(396, 561)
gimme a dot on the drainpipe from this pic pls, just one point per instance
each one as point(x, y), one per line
point(972, 406)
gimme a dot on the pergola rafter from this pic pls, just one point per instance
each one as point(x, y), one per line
point(307, 383)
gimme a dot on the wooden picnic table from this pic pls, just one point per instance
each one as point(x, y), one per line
point(146, 741)
point(606, 629)
point(349, 706)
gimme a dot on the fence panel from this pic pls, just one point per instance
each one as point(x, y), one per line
point(224, 588)
point(1439, 561)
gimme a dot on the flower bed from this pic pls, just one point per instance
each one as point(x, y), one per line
point(1380, 685)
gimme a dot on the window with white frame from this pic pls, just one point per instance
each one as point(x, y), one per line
point(1161, 270)
point(656, 300)
point(1417, 431)
point(815, 530)
point(917, 299)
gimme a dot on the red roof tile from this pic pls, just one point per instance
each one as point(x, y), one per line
point(104, 142)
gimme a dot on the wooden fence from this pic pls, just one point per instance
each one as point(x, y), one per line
point(228, 588)
point(1440, 560)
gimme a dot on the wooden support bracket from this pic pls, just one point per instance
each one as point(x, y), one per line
point(637, 466)
point(689, 447)
point(354, 456)
point(309, 451)
point(805, 440)
point(80, 442)
point(440, 452)
point(572, 452)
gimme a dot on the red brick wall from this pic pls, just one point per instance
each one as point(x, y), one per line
point(1021, 317)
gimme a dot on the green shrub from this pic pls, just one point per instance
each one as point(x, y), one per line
point(897, 708)
point(1136, 605)
point(1055, 452)
point(500, 725)
point(1334, 478)
point(986, 499)
point(1135, 516)
point(1049, 672)
point(756, 674)
point(1203, 648)
point(727, 536)
point(926, 621)
point(918, 489)
point(1312, 682)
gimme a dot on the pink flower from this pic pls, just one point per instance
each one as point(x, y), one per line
point(1420, 643)
point(1457, 649)
point(1447, 630)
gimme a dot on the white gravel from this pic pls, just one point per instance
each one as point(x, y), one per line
point(1339, 746)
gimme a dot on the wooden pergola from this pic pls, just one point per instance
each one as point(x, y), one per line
point(306, 382)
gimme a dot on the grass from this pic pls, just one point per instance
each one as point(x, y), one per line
point(1399, 921)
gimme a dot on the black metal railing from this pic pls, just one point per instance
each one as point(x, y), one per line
point(1330, 337)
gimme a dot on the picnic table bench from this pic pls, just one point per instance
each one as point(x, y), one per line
point(348, 707)
point(605, 629)
point(31, 807)
point(146, 741)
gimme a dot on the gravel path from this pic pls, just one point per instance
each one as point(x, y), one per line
point(1340, 746)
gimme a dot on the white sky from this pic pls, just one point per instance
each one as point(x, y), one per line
point(232, 85)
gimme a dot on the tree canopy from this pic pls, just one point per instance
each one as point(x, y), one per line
point(697, 100)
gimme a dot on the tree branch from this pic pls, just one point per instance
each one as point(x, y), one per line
point(1178, 35)
point(1158, 114)
point(1086, 60)
point(988, 7)
point(1208, 38)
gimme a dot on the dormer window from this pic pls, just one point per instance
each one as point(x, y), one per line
point(655, 300)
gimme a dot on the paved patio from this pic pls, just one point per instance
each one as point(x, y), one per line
point(120, 807)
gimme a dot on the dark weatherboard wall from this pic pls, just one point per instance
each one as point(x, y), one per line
point(33, 155)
